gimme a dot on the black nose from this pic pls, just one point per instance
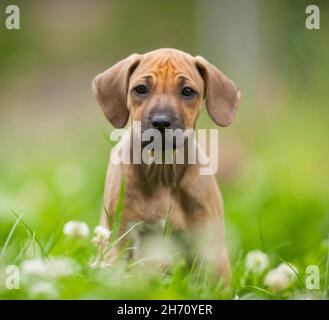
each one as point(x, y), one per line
point(161, 121)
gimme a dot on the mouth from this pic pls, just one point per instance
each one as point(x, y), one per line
point(164, 140)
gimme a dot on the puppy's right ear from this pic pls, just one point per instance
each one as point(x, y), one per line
point(111, 88)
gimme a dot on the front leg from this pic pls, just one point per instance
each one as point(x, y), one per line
point(208, 245)
point(112, 191)
point(205, 221)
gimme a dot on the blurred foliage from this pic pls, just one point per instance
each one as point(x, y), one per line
point(54, 154)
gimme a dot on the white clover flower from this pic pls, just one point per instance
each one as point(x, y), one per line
point(53, 268)
point(289, 270)
point(102, 235)
point(43, 289)
point(158, 250)
point(256, 261)
point(77, 229)
point(60, 267)
point(281, 277)
point(34, 267)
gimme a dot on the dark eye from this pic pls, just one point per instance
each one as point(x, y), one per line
point(188, 92)
point(141, 89)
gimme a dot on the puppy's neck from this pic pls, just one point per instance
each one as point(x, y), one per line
point(163, 174)
point(153, 174)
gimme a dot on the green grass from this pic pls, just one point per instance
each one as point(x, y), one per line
point(277, 204)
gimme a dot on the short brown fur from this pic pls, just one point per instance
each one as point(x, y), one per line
point(194, 200)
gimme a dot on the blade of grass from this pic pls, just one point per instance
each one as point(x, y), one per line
point(108, 217)
point(175, 259)
point(282, 245)
point(21, 254)
point(200, 270)
point(118, 240)
point(194, 263)
point(119, 209)
point(31, 232)
point(138, 262)
point(165, 229)
point(10, 235)
point(171, 231)
point(296, 273)
point(53, 239)
point(260, 289)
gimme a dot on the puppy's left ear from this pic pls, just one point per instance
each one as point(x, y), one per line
point(221, 94)
point(111, 88)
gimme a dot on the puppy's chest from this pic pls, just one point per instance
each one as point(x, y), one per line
point(157, 242)
point(161, 206)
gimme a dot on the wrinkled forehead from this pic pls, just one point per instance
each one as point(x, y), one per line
point(169, 67)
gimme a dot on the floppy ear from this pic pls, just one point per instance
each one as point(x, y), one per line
point(111, 87)
point(221, 94)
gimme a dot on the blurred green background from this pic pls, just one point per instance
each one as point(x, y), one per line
point(274, 158)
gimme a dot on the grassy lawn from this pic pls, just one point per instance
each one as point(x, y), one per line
point(277, 204)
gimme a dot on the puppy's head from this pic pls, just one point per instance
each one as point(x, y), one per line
point(164, 89)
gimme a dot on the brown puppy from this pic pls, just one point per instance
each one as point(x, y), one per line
point(165, 89)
